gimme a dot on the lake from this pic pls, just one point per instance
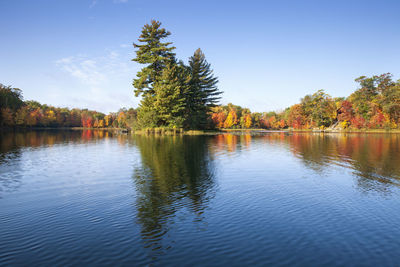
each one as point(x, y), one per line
point(100, 198)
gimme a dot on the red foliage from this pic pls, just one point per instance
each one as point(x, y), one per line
point(377, 120)
point(218, 119)
point(358, 122)
point(264, 123)
point(282, 124)
point(87, 121)
point(297, 122)
point(346, 112)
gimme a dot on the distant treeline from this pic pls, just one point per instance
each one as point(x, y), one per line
point(16, 112)
point(178, 95)
point(374, 105)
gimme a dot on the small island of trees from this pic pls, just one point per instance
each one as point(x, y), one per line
point(185, 96)
point(173, 94)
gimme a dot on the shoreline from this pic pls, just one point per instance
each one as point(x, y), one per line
point(171, 131)
point(392, 131)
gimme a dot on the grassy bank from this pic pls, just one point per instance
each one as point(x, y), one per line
point(173, 131)
point(181, 131)
point(348, 130)
point(61, 128)
point(364, 131)
point(394, 131)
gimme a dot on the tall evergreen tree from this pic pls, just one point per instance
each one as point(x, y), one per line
point(203, 92)
point(170, 91)
point(156, 55)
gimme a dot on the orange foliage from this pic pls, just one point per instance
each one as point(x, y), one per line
point(346, 111)
point(231, 120)
point(358, 122)
point(247, 121)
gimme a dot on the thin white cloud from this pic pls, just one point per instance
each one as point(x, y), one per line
point(114, 55)
point(94, 2)
point(87, 71)
point(103, 83)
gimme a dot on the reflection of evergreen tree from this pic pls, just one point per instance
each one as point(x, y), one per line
point(176, 173)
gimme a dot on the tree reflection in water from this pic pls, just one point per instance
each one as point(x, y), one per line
point(176, 177)
point(13, 143)
point(176, 174)
point(374, 158)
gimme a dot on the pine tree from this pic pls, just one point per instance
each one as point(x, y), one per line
point(147, 116)
point(170, 91)
point(172, 94)
point(154, 53)
point(203, 92)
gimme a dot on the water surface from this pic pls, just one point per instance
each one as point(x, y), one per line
point(97, 198)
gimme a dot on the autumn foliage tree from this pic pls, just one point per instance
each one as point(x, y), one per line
point(375, 104)
point(247, 121)
point(231, 119)
point(296, 118)
point(10, 102)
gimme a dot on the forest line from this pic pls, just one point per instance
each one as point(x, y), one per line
point(185, 96)
point(374, 105)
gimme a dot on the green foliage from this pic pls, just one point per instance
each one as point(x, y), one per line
point(372, 89)
point(173, 94)
point(391, 101)
point(169, 91)
point(10, 102)
point(172, 164)
point(203, 92)
point(147, 115)
point(154, 53)
point(320, 108)
point(10, 97)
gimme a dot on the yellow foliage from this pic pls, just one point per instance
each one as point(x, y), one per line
point(247, 121)
point(344, 124)
point(121, 117)
point(51, 115)
point(107, 120)
point(231, 119)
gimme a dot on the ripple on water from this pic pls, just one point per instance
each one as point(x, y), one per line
point(267, 200)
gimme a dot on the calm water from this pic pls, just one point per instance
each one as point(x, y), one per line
point(95, 198)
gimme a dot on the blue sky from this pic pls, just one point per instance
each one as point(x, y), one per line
point(267, 54)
